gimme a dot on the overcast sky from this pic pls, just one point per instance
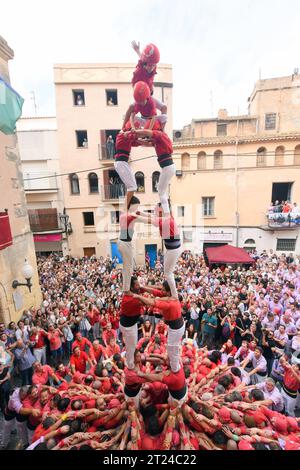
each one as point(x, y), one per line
point(217, 48)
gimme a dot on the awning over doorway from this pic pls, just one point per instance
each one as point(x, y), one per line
point(227, 254)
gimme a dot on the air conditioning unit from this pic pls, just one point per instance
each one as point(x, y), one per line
point(177, 135)
point(178, 173)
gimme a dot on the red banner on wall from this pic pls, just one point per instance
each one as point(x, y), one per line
point(5, 232)
point(51, 237)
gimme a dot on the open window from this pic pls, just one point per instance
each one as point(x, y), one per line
point(155, 179)
point(81, 139)
point(78, 98)
point(108, 139)
point(140, 181)
point(115, 217)
point(88, 218)
point(111, 97)
point(93, 183)
point(281, 192)
point(218, 160)
point(74, 184)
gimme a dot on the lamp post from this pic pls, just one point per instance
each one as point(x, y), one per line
point(64, 219)
point(27, 272)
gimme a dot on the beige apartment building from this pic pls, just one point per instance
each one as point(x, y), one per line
point(231, 168)
point(16, 241)
point(37, 138)
point(91, 101)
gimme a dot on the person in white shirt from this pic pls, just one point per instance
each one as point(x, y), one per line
point(296, 342)
point(258, 372)
point(272, 396)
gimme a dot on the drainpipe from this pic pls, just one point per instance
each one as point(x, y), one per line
point(236, 184)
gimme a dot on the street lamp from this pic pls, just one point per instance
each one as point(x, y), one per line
point(27, 272)
point(64, 219)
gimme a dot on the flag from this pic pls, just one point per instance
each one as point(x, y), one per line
point(10, 107)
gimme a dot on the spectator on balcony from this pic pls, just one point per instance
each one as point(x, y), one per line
point(85, 143)
point(295, 208)
point(277, 207)
point(79, 101)
point(271, 208)
point(110, 147)
point(286, 207)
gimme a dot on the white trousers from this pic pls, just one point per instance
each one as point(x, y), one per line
point(125, 248)
point(126, 174)
point(165, 177)
point(173, 347)
point(289, 403)
point(170, 259)
point(130, 338)
point(40, 355)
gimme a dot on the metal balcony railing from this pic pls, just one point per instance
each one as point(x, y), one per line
point(43, 180)
point(113, 192)
point(105, 154)
point(43, 220)
point(283, 219)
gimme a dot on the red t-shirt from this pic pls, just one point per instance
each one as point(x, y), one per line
point(82, 344)
point(110, 351)
point(162, 143)
point(142, 75)
point(147, 110)
point(168, 228)
point(79, 362)
point(290, 381)
point(39, 339)
point(131, 307)
point(41, 378)
point(127, 222)
point(115, 322)
point(98, 352)
point(175, 380)
point(171, 309)
point(106, 335)
point(55, 341)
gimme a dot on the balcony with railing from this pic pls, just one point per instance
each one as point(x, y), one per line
point(113, 192)
point(284, 220)
point(43, 220)
point(106, 154)
point(42, 181)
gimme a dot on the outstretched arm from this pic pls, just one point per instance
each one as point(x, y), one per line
point(127, 115)
point(136, 47)
point(146, 300)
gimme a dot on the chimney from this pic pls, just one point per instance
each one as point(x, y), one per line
point(222, 114)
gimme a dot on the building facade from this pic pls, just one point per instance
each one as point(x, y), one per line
point(16, 241)
point(91, 102)
point(232, 168)
point(37, 137)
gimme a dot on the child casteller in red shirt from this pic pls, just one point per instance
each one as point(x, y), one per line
point(146, 68)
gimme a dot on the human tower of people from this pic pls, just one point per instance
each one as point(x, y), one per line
point(142, 126)
point(154, 390)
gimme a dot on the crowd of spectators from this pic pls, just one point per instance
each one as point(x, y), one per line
point(63, 366)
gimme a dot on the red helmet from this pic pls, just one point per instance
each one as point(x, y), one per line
point(150, 54)
point(141, 92)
